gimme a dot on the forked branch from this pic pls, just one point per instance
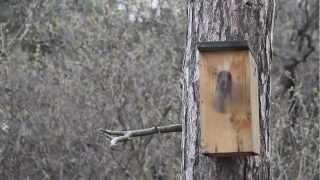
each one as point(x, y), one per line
point(119, 136)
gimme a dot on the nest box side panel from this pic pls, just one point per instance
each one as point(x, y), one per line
point(254, 89)
point(226, 126)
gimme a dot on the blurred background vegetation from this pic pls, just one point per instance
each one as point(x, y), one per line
point(70, 67)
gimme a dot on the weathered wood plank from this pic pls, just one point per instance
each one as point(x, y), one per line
point(232, 131)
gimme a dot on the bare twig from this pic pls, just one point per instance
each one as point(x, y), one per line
point(124, 167)
point(118, 136)
point(3, 38)
point(20, 35)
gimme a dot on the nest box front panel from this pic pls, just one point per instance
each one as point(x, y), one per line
point(228, 103)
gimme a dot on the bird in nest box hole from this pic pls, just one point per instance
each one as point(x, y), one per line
point(223, 88)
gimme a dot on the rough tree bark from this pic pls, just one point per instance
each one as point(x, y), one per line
point(212, 20)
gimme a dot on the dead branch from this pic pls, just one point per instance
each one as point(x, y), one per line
point(119, 136)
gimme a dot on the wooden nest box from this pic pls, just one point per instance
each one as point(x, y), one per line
point(229, 100)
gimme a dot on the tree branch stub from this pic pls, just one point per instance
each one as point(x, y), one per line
point(124, 135)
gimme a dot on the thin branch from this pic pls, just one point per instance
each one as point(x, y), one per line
point(124, 167)
point(119, 136)
point(20, 35)
point(3, 38)
point(125, 137)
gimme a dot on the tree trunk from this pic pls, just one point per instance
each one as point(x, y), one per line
point(213, 20)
